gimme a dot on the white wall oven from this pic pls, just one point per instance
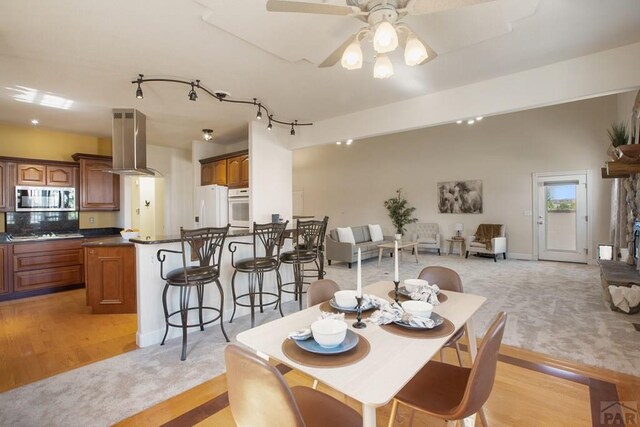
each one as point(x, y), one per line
point(29, 199)
point(239, 207)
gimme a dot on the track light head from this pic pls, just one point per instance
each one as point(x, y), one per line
point(139, 93)
point(259, 115)
point(192, 93)
point(270, 126)
point(293, 131)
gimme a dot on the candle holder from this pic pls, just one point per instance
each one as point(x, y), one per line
point(396, 285)
point(359, 324)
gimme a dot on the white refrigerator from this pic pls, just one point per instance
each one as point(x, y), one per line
point(211, 206)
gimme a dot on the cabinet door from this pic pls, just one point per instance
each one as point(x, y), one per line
point(206, 174)
point(99, 190)
point(29, 174)
point(220, 172)
point(4, 283)
point(60, 176)
point(4, 188)
point(233, 171)
point(111, 279)
point(244, 171)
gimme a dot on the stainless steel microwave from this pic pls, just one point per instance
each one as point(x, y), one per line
point(45, 199)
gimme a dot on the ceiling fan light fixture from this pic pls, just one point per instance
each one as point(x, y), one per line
point(415, 52)
point(385, 38)
point(207, 134)
point(383, 68)
point(352, 56)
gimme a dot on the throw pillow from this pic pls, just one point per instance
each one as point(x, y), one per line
point(346, 235)
point(376, 233)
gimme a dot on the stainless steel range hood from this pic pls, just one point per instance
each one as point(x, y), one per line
point(129, 142)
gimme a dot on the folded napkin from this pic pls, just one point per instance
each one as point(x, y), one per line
point(300, 335)
point(389, 313)
point(427, 293)
point(372, 300)
point(329, 315)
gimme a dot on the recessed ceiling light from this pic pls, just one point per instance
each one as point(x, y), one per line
point(470, 122)
point(34, 121)
point(338, 142)
point(349, 141)
point(479, 118)
point(459, 121)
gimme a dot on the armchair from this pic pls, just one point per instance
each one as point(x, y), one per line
point(426, 234)
point(495, 246)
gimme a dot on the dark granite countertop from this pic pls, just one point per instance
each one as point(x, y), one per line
point(108, 241)
point(176, 237)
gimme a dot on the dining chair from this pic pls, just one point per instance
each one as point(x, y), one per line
point(448, 280)
point(260, 397)
point(452, 392)
point(321, 291)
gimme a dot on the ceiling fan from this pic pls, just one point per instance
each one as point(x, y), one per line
point(384, 28)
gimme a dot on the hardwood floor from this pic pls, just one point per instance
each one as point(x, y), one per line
point(46, 335)
point(530, 390)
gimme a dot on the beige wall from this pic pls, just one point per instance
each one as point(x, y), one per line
point(37, 143)
point(351, 183)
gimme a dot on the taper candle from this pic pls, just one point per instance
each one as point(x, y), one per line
point(395, 255)
point(359, 280)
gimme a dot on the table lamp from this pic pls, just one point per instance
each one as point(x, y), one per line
point(458, 227)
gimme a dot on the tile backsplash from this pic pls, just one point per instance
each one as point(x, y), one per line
point(40, 222)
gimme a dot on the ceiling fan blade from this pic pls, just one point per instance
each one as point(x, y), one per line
point(318, 8)
point(337, 54)
point(421, 7)
point(402, 41)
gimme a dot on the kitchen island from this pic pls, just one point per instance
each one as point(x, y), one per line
point(151, 322)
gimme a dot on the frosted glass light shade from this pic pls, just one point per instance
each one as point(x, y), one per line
point(383, 68)
point(414, 52)
point(352, 56)
point(385, 38)
point(458, 226)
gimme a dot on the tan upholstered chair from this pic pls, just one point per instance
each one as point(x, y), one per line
point(426, 234)
point(451, 392)
point(321, 291)
point(447, 280)
point(260, 397)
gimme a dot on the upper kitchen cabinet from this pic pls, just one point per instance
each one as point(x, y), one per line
point(30, 174)
point(50, 174)
point(4, 186)
point(230, 169)
point(99, 190)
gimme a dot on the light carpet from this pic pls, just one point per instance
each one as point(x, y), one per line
point(554, 308)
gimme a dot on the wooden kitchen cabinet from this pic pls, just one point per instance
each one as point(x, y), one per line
point(31, 174)
point(47, 265)
point(238, 171)
point(214, 173)
point(60, 176)
point(110, 279)
point(206, 174)
point(99, 190)
point(4, 279)
point(4, 187)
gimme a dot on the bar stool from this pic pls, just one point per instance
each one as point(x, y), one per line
point(307, 243)
point(317, 273)
point(206, 247)
point(266, 251)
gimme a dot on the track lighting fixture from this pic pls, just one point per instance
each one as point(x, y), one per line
point(192, 93)
point(207, 134)
point(139, 93)
point(221, 96)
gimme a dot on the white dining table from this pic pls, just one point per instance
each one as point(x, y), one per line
point(392, 360)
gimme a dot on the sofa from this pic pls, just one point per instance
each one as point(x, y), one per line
point(426, 234)
point(348, 252)
point(498, 244)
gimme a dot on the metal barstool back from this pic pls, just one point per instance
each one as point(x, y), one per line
point(206, 245)
point(266, 244)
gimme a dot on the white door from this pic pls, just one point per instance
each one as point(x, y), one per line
point(562, 218)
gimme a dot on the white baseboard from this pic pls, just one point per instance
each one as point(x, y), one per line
point(516, 255)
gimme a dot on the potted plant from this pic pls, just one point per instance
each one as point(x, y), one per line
point(620, 146)
point(400, 213)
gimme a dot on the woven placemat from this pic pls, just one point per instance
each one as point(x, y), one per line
point(392, 294)
point(325, 306)
point(313, 360)
point(443, 330)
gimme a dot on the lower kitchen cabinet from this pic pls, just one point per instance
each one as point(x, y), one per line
point(4, 279)
point(47, 265)
point(110, 278)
